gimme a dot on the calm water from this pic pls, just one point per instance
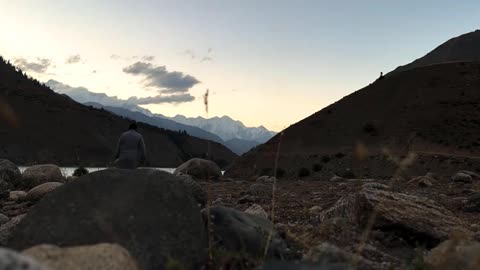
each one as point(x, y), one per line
point(68, 171)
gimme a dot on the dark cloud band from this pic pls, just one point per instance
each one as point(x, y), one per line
point(83, 95)
point(159, 77)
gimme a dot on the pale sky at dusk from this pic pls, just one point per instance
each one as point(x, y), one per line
point(268, 63)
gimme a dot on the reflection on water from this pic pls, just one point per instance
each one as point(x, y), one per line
point(68, 171)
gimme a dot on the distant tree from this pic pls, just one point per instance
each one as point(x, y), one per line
point(303, 172)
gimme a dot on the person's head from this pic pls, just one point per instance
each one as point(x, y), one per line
point(133, 126)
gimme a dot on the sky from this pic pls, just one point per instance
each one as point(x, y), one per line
point(265, 62)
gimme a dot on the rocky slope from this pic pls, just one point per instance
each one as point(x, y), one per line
point(40, 126)
point(433, 111)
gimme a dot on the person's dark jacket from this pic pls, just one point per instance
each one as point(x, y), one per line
point(130, 150)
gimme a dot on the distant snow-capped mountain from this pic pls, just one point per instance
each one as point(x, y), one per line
point(231, 133)
point(159, 122)
point(227, 128)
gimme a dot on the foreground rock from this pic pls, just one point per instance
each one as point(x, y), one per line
point(328, 254)
point(11, 260)
point(39, 191)
point(3, 219)
point(472, 203)
point(40, 174)
point(462, 177)
point(148, 212)
point(10, 173)
point(398, 213)
point(327, 257)
point(200, 169)
point(96, 257)
point(474, 176)
point(266, 179)
point(455, 254)
point(257, 210)
point(242, 233)
point(17, 195)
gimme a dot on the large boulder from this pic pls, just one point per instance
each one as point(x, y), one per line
point(40, 174)
point(454, 254)
point(472, 203)
point(11, 260)
point(10, 173)
point(200, 169)
point(80, 171)
point(95, 257)
point(149, 212)
point(17, 195)
point(462, 177)
point(39, 191)
point(195, 189)
point(243, 233)
point(397, 212)
point(264, 191)
point(256, 210)
point(4, 189)
point(7, 229)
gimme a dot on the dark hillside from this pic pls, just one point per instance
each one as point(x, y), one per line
point(432, 110)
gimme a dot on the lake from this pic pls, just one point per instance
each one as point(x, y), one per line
point(68, 171)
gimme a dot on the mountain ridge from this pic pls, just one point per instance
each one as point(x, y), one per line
point(227, 128)
point(159, 122)
point(41, 126)
point(462, 48)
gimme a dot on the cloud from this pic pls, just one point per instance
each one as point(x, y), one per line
point(73, 59)
point(83, 95)
point(159, 77)
point(190, 53)
point(115, 57)
point(39, 66)
point(206, 59)
point(148, 58)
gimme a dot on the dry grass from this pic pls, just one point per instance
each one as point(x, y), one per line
point(274, 187)
point(402, 164)
point(209, 197)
